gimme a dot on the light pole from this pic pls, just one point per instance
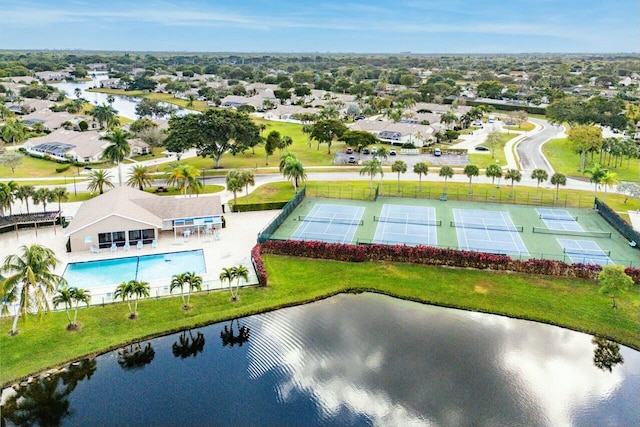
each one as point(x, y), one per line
point(202, 175)
point(75, 190)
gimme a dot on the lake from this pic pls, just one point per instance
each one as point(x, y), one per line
point(363, 359)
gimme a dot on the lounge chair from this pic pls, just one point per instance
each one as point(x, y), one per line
point(127, 246)
point(139, 245)
point(154, 243)
point(113, 248)
point(94, 250)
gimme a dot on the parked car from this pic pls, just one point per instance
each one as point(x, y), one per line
point(365, 151)
point(392, 152)
point(359, 118)
point(349, 150)
point(352, 159)
point(374, 150)
point(481, 148)
point(437, 152)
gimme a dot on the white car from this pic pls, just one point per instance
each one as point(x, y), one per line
point(374, 150)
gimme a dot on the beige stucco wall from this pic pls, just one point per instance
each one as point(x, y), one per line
point(109, 224)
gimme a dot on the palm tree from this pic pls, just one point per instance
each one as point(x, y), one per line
point(123, 292)
point(98, 179)
point(110, 100)
point(446, 172)
point(43, 195)
point(60, 194)
point(7, 195)
point(31, 280)
point(515, 176)
point(609, 179)
point(471, 171)
point(185, 177)
point(558, 179)
point(228, 274)
point(596, 173)
point(421, 168)
point(294, 170)
point(23, 193)
point(117, 150)
point(234, 184)
point(372, 168)
point(71, 298)
point(139, 289)
point(493, 171)
point(248, 178)
point(239, 272)
point(539, 175)
point(400, 167)
point(193, 282)
point(140, 176)
point(448, 118)
point(190, 100)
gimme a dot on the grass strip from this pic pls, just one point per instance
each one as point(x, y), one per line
point(43, 342)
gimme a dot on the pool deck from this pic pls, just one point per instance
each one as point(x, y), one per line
point(232, 249)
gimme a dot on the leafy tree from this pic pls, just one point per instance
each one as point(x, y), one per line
point(421, 168)
point(272, 143)
point(30, 281)
point(558, 179)
point(118, 150)
point(494, 142)
point(234, 184)
point(539, 175)
point(613, 281)
point(584, 139)
point(446, 172)
point(400, 167)
point(358, 139)
point(140, 176)
point(98, 179)
point(514, 175)
point(13, 131)
point(490, 89)
point(215, 132)
point(154, 137)
point(11, 159)
point(283, 95)
point(142, 124)
point(325, 131)
point(471, 171)
point(372, 168)
point(71, 298)
point(191, 280)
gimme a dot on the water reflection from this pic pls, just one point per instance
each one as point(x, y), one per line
point(45, 402)
point(229, 338)
point(188, 346)
point(135, 357)
point(606, 355)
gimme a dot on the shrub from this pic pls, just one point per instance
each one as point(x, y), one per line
point(63, 168)
point(258, 263)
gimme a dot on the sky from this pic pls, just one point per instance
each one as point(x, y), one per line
point(292, 26)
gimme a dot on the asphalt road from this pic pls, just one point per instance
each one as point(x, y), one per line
point(530, 149)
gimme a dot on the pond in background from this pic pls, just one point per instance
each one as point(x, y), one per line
point(350, 360)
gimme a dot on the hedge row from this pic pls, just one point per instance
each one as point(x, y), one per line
point(250, 207)
point(428, 255)
point(258, 264)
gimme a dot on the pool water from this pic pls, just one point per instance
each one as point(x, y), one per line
point(147, 268)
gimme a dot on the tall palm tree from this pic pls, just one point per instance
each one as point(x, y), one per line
point(140, 176)
point(31, 280)
point(609, 179)
point(446, 172)
point(117, 150)
point(294, 170)
point(558, 179)
point(248, 178)
point(234, 183)
point(71, 298)
point(193, 283)
point(239, 272)
point(98, 179)
point(228, 274)
point(400, 167)
point(11, 189)
point(493, 171)
point(43, 195)
point(124, 292)
point(185, 177)
point(6, 197)
point(421, 168)
point(190, 100)
point(23, 193)
point(515, 176)
point(596, 173)
point(372, 168)
point(60, 194)
point(471, 171)
point(139, 289)
point(539, 175)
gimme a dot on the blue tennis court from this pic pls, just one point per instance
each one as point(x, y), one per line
point(409, 225)
point(330, 223)
point(488, 231)
point(559, 219)
point(584, 252)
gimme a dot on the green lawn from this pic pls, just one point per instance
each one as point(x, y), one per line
point(576, 304)
point(525, 127)
point(207, 189)
point(565, 161)
point(32, 167)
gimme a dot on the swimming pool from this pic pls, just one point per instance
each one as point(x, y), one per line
point(147, 268)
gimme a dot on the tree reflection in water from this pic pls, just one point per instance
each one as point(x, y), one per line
point(228, 336)
point(188, 346)
point(606, 355)
point(45, 401)
point(135, 357)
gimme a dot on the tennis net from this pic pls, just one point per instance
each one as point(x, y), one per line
point(558, 217)
point(494, 227)
point(327, 220)
point(603, 234)
point(414, 221)
point(592, 253)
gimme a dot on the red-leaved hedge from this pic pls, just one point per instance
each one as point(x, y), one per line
point(429, 255)
point(258, 263)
